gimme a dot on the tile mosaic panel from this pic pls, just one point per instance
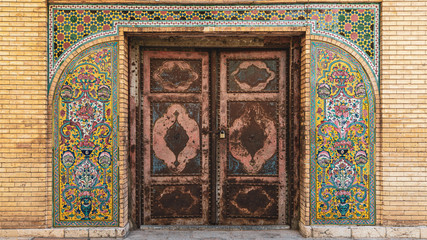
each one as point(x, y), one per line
point(356, 25)
point(85, 140)
point(342, 139)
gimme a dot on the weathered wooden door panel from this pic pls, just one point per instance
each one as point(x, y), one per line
point(249, 179)
point(176, 154)
point(252, 182)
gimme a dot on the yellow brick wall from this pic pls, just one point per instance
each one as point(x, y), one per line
point(305, 129)
point(124, 127)
point(25, 161)
point(404, 113)
point(23, 127)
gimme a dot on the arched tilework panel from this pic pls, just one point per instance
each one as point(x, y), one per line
point(85, 140)
point(342, 139)
point(355, 25)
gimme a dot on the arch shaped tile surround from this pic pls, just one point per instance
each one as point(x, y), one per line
point(85, 150)
point(108, 19)
point(342, 135)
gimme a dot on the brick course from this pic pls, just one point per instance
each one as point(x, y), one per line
point(403, 156)
point(23, 122)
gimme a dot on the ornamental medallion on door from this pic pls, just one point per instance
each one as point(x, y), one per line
point(213, 160)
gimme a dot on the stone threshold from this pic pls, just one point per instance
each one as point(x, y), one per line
point(75, 232)
point(360, 232)
point(215, 227)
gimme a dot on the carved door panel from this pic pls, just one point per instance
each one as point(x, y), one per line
point(247, 174)
point(252, 176)
point(176, 151)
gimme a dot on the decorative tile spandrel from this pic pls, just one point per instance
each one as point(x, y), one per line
point(85, 136)
point(355, 22)
point(342, 171)
point(355, 25)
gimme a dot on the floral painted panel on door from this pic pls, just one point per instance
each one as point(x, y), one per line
point(342, 130)
point(85, 140)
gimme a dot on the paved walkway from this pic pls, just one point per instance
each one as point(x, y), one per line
point(214, 234)
point(203, 234)
point(268, 234)
point(155, 234)
point(166, 234)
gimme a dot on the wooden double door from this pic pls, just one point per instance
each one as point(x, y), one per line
point(214, 137)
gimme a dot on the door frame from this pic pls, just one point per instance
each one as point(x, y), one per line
point(209, 41)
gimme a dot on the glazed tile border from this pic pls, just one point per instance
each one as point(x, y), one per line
point(238, 15)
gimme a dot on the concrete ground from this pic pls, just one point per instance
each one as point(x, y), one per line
point(198, 234)
point(204, 233)
point(151, 234)
point(158, 234)
point(213, 234)
point(268, 234)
